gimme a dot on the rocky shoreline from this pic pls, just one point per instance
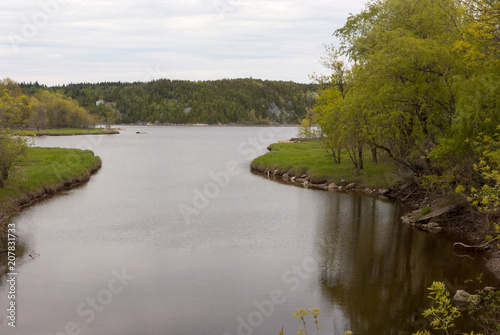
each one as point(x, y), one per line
point(429, 212)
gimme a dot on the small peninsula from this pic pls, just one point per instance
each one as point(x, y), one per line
point(43, 171)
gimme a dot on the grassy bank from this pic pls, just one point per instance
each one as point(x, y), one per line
point(44, 171)
point(66, 132)
point(309, 158)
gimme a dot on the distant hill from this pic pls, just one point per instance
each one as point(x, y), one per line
point(248, 101)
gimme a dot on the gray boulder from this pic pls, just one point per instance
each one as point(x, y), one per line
point(351, 186)
point(466, 298)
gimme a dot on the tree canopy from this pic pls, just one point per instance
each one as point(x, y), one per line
point(416, 80)
point(180, 101)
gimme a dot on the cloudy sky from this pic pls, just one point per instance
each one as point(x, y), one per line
point(64, 41)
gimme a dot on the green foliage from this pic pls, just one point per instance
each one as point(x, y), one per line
point(484, 191)
point(54, 110)
point(15, 110)
point(41, 168)
point(487, 312)
point(426, 210)
point(487, 197)
point(107, 114)
point(309, 157)
point(178, 101)
point(339, 123)
point(64, 131)
point(42, 109)
point(422, 86)
point(11, 150)
point(481, 41)
point(477, 115)
point(495, 237)
point(306, 129)
point(443, 313)
point(401, 81)
point(302, 315)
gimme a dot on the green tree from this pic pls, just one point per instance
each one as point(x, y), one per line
point(400, 97)
point(39, 114)
point(11, 149)
point(481, 36)
point(330, 112)
point(15, 110)
point(107, 114)
point(63, 112)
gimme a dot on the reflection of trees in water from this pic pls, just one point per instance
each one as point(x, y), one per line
point(378, 270)
point(20, 252)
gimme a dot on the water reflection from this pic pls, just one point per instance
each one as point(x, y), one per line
point(200, 278)
point(376, 270)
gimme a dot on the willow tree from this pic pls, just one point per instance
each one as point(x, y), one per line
point(481, 39)
point(478, 89)
point(405, 64)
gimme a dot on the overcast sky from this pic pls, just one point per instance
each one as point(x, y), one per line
point(64, 41)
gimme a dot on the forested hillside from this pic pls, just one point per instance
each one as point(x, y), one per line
point(175, 101)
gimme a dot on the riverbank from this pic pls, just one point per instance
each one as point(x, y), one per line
point(66, 132)
point(44, 171)
point(307, 164)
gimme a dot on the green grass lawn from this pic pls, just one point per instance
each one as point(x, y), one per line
point(42, 170)
point(311, 159)
point(65, 131)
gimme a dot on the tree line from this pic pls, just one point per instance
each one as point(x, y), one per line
point(42, 109)
point(418, 82)
point(226, 101)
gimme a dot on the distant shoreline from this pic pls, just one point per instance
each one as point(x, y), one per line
point(207, 125)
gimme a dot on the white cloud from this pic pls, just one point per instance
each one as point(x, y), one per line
point(62, 41)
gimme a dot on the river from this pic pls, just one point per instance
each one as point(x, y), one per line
point(175, 235)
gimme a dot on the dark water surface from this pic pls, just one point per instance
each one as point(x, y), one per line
point(174, 235)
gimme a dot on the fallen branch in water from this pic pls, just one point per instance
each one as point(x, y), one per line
point(480, 247)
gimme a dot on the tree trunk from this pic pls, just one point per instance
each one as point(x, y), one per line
point(354, 157)
point(374, 156)
point(360, 157)
point(3, 176)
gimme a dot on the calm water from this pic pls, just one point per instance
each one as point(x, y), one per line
point(174, 235)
